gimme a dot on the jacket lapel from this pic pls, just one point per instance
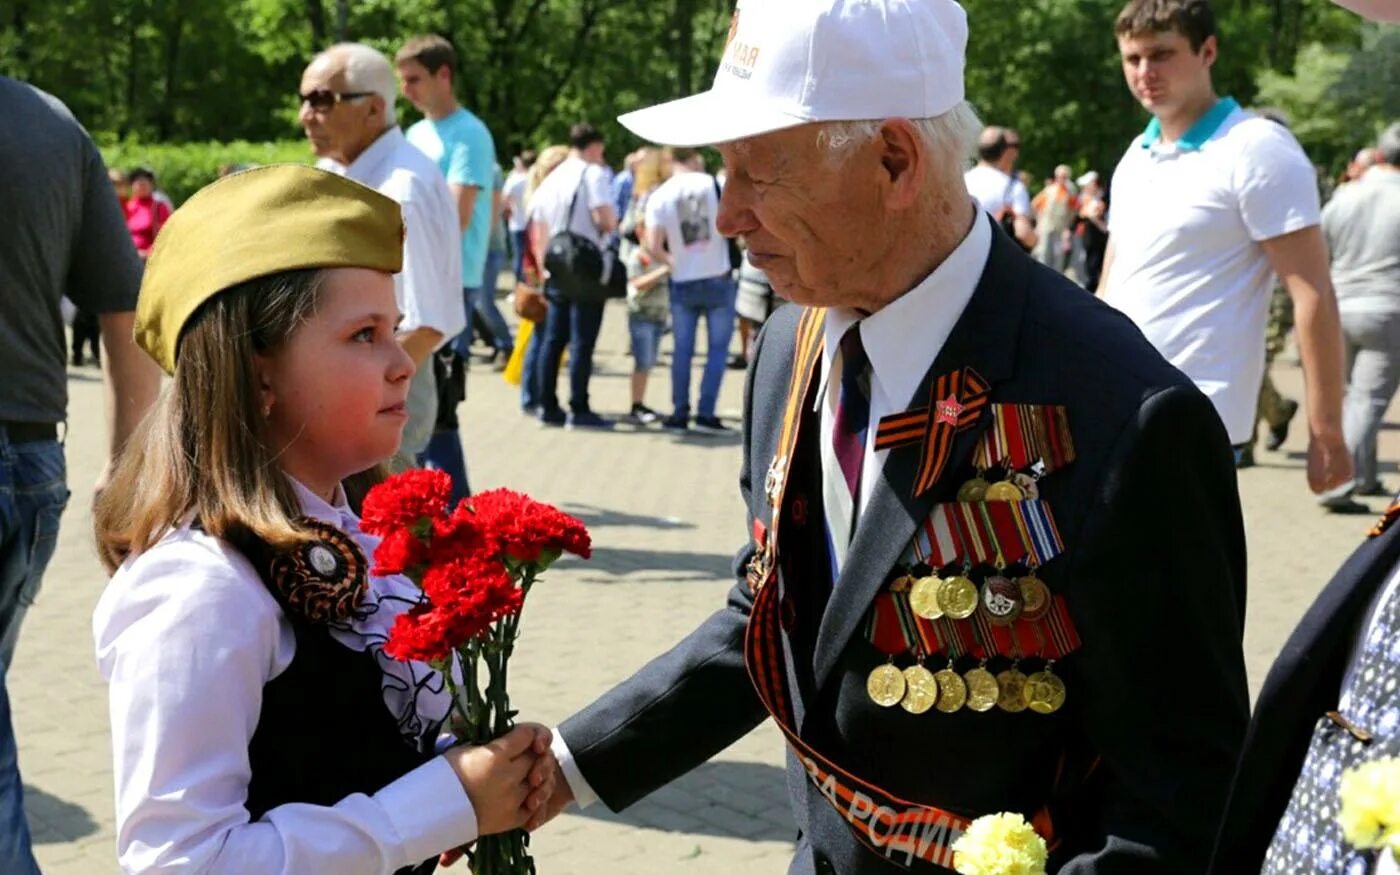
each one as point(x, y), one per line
point(983, 339)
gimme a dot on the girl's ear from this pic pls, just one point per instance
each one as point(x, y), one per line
point(262, 368)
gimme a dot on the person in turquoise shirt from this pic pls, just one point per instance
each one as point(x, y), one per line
point(462, 146)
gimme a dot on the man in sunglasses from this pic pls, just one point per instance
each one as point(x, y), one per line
point(347, 110)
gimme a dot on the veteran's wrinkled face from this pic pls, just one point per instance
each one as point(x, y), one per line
point(344, 128)
point(819, 223)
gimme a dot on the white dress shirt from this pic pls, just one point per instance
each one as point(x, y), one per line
point(902, 339)
point(187, 636)
point(429, 288)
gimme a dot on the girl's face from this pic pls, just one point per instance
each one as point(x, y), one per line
point(141, 187)
point(335, 392)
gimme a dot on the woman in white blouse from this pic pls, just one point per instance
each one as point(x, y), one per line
point(257, 725)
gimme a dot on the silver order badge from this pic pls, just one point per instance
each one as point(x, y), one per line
point(321, 559)
point(773, 482)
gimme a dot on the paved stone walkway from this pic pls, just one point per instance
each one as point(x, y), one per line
point(666, 518)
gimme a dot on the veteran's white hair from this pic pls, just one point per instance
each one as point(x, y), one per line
point(952, 135)
point(367, 69)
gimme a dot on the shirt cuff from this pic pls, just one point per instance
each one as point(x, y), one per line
point(583, 794)
point(429, 811)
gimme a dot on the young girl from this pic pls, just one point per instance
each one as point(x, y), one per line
point(257, 725)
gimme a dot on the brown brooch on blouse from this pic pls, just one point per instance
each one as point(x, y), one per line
point(323, 580)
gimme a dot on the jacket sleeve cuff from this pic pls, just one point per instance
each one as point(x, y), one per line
point(578, 785)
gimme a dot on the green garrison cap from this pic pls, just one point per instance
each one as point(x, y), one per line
point(254, 224)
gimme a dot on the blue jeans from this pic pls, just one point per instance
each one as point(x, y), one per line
point(573, 325)
point(33, 494)
point(518, 241)
point(444, 453)
point(483, 299)
point(530, 372)
point(713, 299)
point(646, 341)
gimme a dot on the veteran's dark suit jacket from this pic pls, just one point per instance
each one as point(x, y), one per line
point(1153, 573)
point(1303, 685)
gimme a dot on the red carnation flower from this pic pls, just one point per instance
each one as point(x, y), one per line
point(398, 552)
point(405, 500)
point(459, 536)
point(526, 529)
point(418, 634)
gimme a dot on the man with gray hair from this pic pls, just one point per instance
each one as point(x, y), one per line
point(347, 111)
point(1362, 226)
point(991, 531)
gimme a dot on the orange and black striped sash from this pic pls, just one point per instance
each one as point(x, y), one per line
point(899, 830)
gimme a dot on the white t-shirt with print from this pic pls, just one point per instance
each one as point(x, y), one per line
point(551, 201)
point(1186, 224)
point(994, 191)
point(686, 206)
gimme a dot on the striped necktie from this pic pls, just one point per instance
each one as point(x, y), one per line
point(848, 430)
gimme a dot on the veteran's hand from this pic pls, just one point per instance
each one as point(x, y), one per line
point(561, 798)
point(507, 780)
point(1329, 461)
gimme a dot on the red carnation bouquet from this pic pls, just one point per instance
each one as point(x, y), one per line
point(475, 564)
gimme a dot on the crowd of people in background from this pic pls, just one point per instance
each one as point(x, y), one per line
point(657, 213)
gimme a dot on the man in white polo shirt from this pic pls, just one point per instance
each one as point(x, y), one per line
point(1208, 204)
point(347, 110)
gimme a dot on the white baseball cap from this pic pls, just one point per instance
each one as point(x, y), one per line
point(792, 62)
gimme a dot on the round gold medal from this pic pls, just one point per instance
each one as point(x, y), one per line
point(957, 596)
point(1004, 490)
point(920, 690)
point(1001, 600)
point(952, 691)
point(982, 690)
point(923, 597)
point(972, 490)
point(1045, 692)
point(885, 686)
point(1012, 691)
point(1035, 597)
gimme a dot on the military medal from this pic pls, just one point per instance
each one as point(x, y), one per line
point(1028, 484)
point(923, 597)
point(920, 690)
point(982, 689)
point(1045, 692)
point(1035, 597)
point(773, 482)
point(957, 596)
point(1001, 600)
point(952, 690)
point(1011, 696)
point(885, 685)
point(1004, 490)
point(973, 490)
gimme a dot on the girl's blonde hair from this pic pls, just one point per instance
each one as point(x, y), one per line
point(203, 452)
point(550, 158)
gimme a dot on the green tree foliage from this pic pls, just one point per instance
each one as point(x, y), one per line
point(228, 70)
point(1336, 100)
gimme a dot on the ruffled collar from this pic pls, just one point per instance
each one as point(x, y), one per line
point(415, 693)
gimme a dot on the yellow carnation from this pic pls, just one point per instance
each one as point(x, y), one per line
point(1000, 844)
point(1370, 796)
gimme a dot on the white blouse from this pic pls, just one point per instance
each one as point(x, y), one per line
point(187, 636)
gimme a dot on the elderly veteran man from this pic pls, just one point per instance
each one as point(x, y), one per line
point(347, 110)
point(997, 557)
